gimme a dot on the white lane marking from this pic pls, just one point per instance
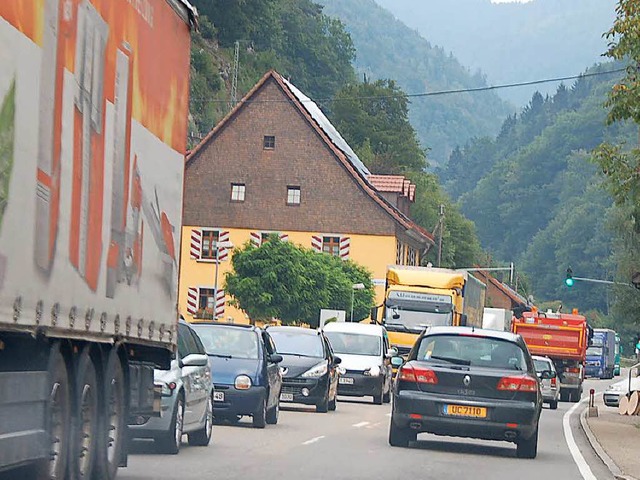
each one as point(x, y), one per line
point(579, 460)
point(374, 425)
point(313, 440)
point(388, 415)
point(360, 425)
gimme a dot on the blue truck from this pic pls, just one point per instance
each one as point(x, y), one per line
point(601, 354)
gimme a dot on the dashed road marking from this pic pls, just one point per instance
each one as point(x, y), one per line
point(313, 440)
point(360, 425)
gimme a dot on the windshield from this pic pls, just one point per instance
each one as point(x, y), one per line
point(231, 342)
point(473, 351)
point(416, 319)
point(355, 344)
point(294, 343)
point(594, 351)
point(541, 365)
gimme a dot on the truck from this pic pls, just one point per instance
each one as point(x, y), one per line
point(497, 319)
point(563, 337)
point(418, 297)
point(616, 369)
point(93, 129)
point(601, 354)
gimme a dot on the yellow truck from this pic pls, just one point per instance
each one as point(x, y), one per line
point(419, 297)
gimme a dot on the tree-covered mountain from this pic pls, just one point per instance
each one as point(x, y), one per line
point(387, 48)
point(535, 195)
point(513, 42)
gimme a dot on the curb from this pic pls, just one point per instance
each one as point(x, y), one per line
point(606, 459)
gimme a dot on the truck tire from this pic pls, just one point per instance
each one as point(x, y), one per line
point(113, 415)
point(85, 424)
point(58, 414)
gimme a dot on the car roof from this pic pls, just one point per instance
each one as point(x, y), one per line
point(497, 334)
point(348, 327)
point(302, 330)
point(245, 326)
point(539, 357)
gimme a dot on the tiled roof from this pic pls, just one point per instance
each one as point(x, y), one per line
point(506, 289)
point(393, 183)
point(334, 141)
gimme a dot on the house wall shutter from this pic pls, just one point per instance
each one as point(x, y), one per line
point(192, 300)
point(316, 243)
point(256, 239)
point(223, 254)
point(345, 247)
point(196, 244)
point(220, 303)
point(284, 237)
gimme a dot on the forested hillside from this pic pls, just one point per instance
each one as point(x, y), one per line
point(514, 42)
point(535, 194)
point(387, 48)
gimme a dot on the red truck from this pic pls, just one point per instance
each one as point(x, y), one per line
point(564, 339)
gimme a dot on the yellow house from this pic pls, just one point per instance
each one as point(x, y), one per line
point(275, 164)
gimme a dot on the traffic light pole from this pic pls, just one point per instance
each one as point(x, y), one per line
point(606, 282)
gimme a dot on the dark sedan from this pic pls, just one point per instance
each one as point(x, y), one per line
point(467, 382)
point(245, 371)
point(309, 368)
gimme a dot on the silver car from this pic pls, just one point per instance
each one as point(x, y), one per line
point(612, 394)
point(548, 380)
point(187, 398)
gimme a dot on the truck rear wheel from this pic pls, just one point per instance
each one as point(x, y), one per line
point(112, 418)
point(85, 424)
point(58, 412)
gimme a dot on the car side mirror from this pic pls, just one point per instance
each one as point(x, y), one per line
point(337, 360)
point(392, 352)
point(463, 320)
point(194, 360)
point(275, 358)
point(397, 361)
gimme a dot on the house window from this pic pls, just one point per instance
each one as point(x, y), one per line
point(209, 239)
point(293, 195)
point(331, 245)
point(206, 301)
point(237, 192)
point(269, 142)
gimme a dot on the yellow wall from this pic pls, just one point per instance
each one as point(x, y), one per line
point(373, 252)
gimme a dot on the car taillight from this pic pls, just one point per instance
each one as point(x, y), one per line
point(409, 373)
point(554, 382)
point(518, 384)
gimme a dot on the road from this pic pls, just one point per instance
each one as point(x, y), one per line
point(351, 443)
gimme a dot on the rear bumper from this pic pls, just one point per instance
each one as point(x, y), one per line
point(152, 426)
point(362, 385)
point(237, 402)
point(506, 420)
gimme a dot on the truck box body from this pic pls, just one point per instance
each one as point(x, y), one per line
point(497, 319)
point(418, 297)
point(561, 337)
point(601, 354)
point(93, 124)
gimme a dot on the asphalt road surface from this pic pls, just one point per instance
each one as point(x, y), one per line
point(351, 443)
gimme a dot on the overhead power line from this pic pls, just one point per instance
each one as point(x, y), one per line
point(437, 92)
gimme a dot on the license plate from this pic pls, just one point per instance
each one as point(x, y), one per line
point(345, 380)
point(465, 411)
point(286, 397)
point(218, 396)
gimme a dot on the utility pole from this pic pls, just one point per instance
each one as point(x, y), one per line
point(234, 77)
point(440, 233)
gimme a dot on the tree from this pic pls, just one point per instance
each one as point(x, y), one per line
point(284, 281)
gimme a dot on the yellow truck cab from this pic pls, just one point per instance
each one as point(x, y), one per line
point(420, 297)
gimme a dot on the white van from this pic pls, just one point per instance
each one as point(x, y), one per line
point(366, 359)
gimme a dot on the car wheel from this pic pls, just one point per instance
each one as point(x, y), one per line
point(332, 404)
point(323, 406)
point(273, 414)
point(400, 437)
point(377, 399)
point(528, 448)
point(386, 397)
point(553, 405)
point(202, 437)
point(260, 415)
point(564, 397)
point(169, 442)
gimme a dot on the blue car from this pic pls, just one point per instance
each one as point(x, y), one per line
point(245, 372)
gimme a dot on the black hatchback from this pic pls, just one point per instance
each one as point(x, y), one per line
point(466, 382)
point(309, 367)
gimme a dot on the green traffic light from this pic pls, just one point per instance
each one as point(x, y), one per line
point(569, 282)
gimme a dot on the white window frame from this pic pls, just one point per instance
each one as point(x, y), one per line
point(238, 192)
point(294, 195)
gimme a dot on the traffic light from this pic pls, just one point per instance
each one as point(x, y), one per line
point(569, 281)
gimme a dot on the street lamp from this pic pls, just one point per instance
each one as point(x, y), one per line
point(354, 287)
point(217, 245)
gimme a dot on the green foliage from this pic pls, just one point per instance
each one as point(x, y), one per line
point(291, 283)
point(7, 132)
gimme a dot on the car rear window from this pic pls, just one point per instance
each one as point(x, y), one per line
point(541, 365)
point(473, 350)
point(297, 343)
point(228, 341)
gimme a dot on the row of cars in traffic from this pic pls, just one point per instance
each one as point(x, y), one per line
point(456, 381)
point(223, 372)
